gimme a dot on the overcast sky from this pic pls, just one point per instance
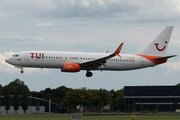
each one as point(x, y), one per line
point(88, 26)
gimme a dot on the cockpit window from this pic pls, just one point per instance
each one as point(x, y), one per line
point(15, 55)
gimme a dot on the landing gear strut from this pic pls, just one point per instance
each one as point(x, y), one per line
point(22, 71)
point(89, 74)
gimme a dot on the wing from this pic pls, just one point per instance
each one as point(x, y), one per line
point(96, 64)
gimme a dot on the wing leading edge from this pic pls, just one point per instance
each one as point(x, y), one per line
point(98, 63)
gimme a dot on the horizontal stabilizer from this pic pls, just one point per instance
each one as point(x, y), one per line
point(166, 57)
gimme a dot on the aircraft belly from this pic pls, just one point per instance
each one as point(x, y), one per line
point(120, 66)
point(127, 65)
point(46, 64)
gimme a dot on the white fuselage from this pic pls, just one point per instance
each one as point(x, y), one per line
point(56, 59)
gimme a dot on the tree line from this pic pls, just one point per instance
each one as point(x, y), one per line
point(16, 88)
point(88, 98)
point(92, 99)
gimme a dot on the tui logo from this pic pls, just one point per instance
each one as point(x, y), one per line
point(37, 56)
point(156, 44)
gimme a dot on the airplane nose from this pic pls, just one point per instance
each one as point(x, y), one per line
point(8, 60)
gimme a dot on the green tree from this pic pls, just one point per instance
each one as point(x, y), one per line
point(6, 98)
point(175, 106)
point(17, 85)
point(0, 93)
point(85, 97)
point(16, 101)
point(24, 100)
point(100, 96)
point(56, 95)
point(104, 96)
point(47, 94)
point(74, 98)
point(112, 92)
point(120, 99)
point(113, 98)
point(89, 97)
point(96, 99)
point(37, 106)
point(112, 106)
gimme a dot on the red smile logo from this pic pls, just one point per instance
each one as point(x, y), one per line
point(156, 44)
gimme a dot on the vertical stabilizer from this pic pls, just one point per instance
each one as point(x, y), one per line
point(159, 46)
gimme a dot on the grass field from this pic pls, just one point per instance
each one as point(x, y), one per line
point(84, 118)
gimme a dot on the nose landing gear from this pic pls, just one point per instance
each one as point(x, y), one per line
point(22, 71)
point(89, 74)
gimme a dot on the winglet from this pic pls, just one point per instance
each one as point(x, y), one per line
point(107, 50)
point(118, 50)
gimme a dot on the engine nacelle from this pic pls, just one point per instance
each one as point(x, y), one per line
point(71, 67)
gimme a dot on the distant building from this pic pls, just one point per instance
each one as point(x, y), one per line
point(43, 105)
point(151, 96)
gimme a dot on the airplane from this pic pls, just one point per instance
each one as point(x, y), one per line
point(73, 62)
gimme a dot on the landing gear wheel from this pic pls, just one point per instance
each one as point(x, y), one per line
point(89, 74)
point(21, 71)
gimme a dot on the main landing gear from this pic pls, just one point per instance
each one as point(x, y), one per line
point(89, 74)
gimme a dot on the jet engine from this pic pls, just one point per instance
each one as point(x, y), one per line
point(71, 67)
